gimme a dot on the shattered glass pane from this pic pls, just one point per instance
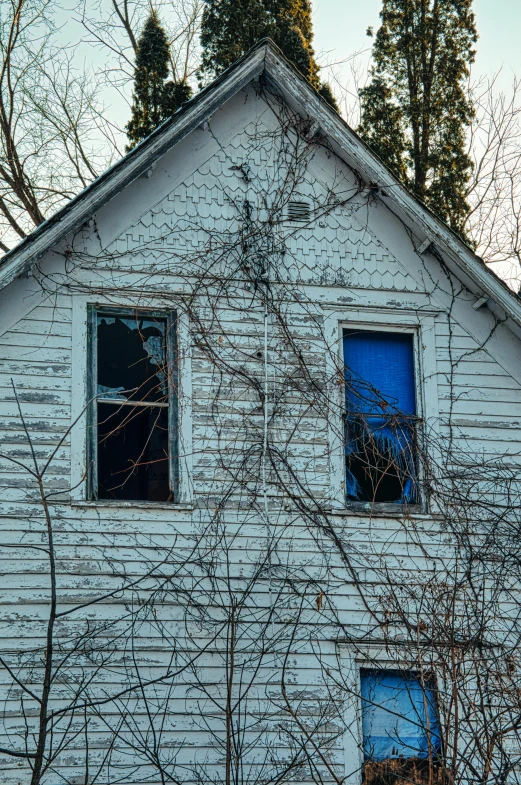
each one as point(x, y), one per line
point(111, 392)
point(132, 360)
point(133, 453)
point(132, 408)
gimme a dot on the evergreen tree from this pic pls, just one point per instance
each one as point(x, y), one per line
point(415, 110)
point(154, 99)
point(231, 27)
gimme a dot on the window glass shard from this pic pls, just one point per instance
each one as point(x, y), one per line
point(111, 392)
point(131, 358)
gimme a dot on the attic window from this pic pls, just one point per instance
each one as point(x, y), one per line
point(132, 448)
point(298, 212)
point(381, 422)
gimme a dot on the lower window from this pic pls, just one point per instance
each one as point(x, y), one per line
point(401, 733)
point(133, 405)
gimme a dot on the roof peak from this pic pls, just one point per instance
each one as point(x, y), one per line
point(264, 57)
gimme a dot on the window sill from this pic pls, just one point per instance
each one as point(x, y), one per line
point(133, 505)
point(384, 510)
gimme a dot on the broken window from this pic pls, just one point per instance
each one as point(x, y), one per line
point(381, 438)
point(133, 406)
point(400, 728)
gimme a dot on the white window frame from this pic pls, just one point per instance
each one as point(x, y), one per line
point(79, 401)
point(352, 662)
point(421, 323)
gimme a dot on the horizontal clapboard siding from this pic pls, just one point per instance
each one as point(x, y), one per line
point(337, 266)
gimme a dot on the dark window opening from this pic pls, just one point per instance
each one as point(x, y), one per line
point(380, 460)
point(133, 453)
point(132, 446)
point(381, 441)
point(400, 728)
point(132, 358)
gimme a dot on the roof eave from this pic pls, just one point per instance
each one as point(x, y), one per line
point(138, 161)
point(265, 56)
point(348, 144)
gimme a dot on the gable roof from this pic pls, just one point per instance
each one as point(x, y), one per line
point(265, 58)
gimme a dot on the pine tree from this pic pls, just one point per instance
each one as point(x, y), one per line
point(154, 99)
point(415, 110)
point(231, 27)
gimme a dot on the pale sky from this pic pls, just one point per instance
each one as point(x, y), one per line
point(340, 27)
point(340, 31)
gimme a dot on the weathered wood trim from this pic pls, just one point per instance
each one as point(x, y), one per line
point(24, 294)
point(79, 398)
point(352, 737)
point(173, 402)
point(83, 415)
point(91, 431)
point(184, 353)
point(136, 163)
point(19, 301)
point(422, 326)
point(332, 336)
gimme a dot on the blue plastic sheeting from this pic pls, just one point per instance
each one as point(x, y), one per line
point(379, 369)
point(379, 365)
point(352, 489)
point(399, 716)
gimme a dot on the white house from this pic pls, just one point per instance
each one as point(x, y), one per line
point(259, 467)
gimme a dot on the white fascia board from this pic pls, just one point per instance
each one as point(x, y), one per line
point(348, 146)
point(344, 142)
point(136, 163)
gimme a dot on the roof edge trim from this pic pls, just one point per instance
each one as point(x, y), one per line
point(79, 209)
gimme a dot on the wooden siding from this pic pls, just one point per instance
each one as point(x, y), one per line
point(344, 263)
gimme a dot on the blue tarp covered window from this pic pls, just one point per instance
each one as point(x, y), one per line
point(399, 716)
point(380, 416)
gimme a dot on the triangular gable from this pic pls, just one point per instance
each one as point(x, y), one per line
point(267, 59)
point(189, 196)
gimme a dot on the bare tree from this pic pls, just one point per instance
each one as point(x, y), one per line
point(115, 28)
point(82, 684)
point(495, 189)
point(56, 136)
point(494, 146)
point(50, 121)
point(56, 681)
